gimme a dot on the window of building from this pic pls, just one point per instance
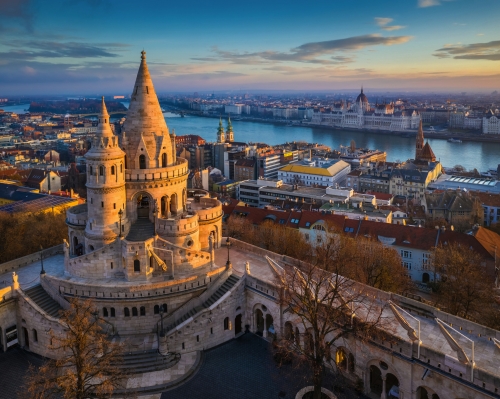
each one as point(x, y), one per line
point(406, 254)
point(91, 170)
point(35, 335)
point(101, 170)
point(226, 323)
point(134, 311)
point(142, 161)
point(142, 311)
point(105, 312)
point(163, 160)
point(126, 312)
point(137, 265)
point(156, 309)
point(112, 311)
point(112, 170)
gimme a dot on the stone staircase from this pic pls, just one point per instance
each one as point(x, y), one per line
point(38, 295)
point(228, 284)
point(146, 361)
point(141, 230)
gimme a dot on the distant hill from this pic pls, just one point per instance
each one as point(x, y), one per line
point(75, 106)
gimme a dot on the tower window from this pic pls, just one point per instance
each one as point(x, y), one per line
point(121, 168)
point(112, 170)
point(134, 311)
point(101, 170)
point(112, 312)
point(137, 265)
point(126, 312)
point(142, 161)
point(91, 170)
point(142, 311)
point(163, 160)
point(114, 206)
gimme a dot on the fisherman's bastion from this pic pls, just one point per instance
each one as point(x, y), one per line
point(150, 254)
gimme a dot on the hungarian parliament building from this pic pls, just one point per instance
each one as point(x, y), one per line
point(360, 115)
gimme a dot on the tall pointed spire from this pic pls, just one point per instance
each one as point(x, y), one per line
point(419, 143)
point(221, 136)
point(229, 130)
point(145, 127)
point(103, 128)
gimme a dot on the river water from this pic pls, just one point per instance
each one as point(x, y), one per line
point(480, 155)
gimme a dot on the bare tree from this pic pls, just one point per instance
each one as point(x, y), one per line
point(88, 362)
point(327, 307)
point(464, 286)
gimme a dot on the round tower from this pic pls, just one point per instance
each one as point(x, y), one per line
point(105, 186)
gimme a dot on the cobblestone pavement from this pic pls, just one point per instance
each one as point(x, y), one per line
point(244, 369)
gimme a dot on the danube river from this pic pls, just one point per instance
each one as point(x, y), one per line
point(480, 155)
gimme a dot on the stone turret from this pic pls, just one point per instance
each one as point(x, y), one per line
point(147, 141)
point(105, 185)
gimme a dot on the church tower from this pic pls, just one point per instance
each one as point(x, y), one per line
point(419, 144)
point(229, 131)
point(221, 136)
point(105, 186)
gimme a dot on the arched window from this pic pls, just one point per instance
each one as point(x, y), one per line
point(157, 309)
point(35, 336)
point(226, 323)
point(137, 265)
point(142, 161)
point(134, 311)
point(112, 170)
point(105, 312)
point(125, 159)
point(91, 170)
point(126, 312)
point(163, 160)
point(143, 311)
point(101, 170)
point(164, 308)
point(151, 263)
point(121, 168)
point(112, 311)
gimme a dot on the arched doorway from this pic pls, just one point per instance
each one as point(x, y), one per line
point(237, 324)
point(142, 206)
point(259, 322)
point(425, 278)
point(392, 386)
point(164, 206)
point(375, 380)
point(269, 325)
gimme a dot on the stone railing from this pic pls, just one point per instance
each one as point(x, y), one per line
point(179, 169)
point(29, 259)
point(77, 215)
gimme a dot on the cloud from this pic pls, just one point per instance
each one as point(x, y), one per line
point(383, 21)
point(20, 10)
point(428, 3)
point(314, 52)
point(476, 51)
point(52, 49)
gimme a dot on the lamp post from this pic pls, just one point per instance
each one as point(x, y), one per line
point(228, 244)
point(162, 333)
point(120, 215)
point(41, 260)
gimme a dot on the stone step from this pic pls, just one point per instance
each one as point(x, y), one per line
point(38, 295)
point(228, 284)
point(143, 362)
point(140, 230)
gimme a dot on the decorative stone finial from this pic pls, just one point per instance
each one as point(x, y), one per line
point(247, 267)
point(143, 55)
point(15, 282)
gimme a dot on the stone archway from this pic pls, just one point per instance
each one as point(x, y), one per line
point(143, 204)
point(173, 203)
point(238, 324)
point(376, 382)
point(164, 207)
point(426, 393)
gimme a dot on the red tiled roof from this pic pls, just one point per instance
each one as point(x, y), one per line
point(381, 196)
point(487, 198)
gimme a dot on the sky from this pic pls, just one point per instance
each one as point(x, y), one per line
point(93, 46)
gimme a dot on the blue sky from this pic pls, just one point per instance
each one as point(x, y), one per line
point(93, 46)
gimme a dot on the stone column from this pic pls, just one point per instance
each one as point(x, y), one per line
point(162, 345)
point(383, 395)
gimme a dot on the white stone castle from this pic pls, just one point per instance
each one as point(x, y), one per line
point(360, 115)
point(150, 254)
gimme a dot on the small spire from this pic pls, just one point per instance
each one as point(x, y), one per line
point(361, 89)
point(143, 55)
point(103, 128)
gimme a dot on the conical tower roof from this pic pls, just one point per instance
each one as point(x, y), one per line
point(229, 125)
point(103, 128)
point(145, 128)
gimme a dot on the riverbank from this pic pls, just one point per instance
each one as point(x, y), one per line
point(464, 136)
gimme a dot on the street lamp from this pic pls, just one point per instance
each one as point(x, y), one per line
point(162, 333)
point(120, 215)
point(228, 244)
point(41, 260)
